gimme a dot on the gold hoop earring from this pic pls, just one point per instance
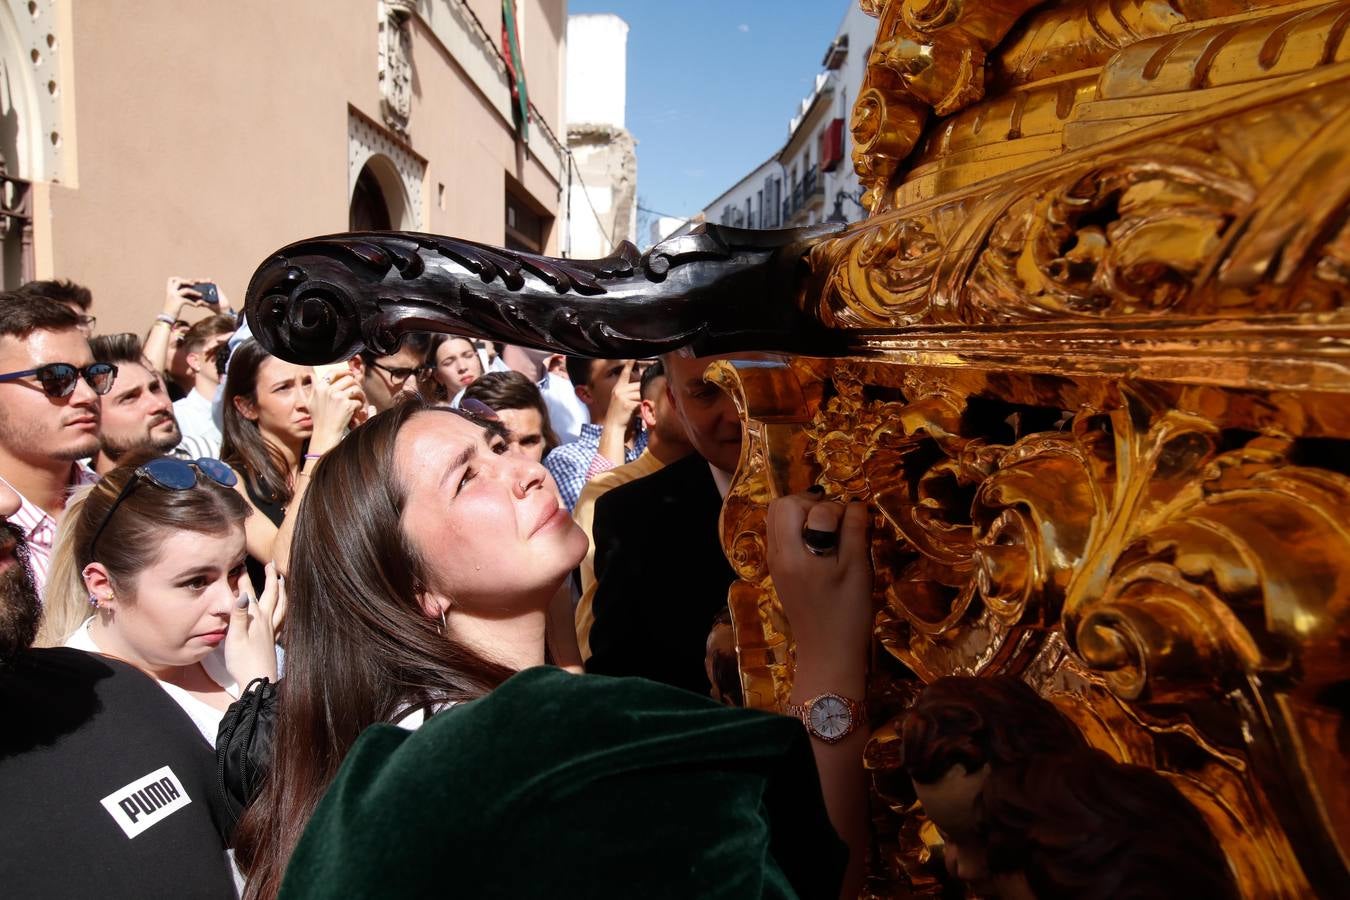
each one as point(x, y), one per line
point(443, 625)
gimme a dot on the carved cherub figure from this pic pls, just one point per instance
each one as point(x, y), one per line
point(1028, 810)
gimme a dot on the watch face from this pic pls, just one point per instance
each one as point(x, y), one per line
point(830, 717)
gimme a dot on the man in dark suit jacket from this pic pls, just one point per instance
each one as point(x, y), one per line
point(661, 573)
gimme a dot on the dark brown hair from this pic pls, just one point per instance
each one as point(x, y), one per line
point(359, 648)
point(417, 342)
point(242, 444)
point(649, 376)
point(22, 314)
point(120, 349)
point(62, 291)
point(1083, 826)
point(512, 390)
point(972, 721)
point(205, 329)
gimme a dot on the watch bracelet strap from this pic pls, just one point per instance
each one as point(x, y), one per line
point(856, 708)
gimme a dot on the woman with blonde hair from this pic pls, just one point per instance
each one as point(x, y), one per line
point(156, 552)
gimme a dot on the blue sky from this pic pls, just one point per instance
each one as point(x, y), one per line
point(712, 85)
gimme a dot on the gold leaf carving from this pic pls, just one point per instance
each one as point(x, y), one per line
point(1096, 402)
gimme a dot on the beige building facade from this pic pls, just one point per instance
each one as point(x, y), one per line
point(160, 141)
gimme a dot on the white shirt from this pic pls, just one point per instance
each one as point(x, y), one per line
point(566, 412)
point(201, 435)
point(39, 528)
point(205, 716)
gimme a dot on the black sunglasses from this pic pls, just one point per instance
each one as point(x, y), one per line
point(58, 379)
point(400, 374)
point(171, 475)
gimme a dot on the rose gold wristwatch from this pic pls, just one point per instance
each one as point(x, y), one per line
point(829, 717)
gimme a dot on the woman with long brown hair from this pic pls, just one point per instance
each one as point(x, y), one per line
point(276, 423)
point(426, 557)
point(452, 364)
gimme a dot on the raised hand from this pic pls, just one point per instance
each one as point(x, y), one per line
point(336, 398)
point(250, 642)
point(826, 594)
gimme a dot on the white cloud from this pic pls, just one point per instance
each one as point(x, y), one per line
point(743, 28)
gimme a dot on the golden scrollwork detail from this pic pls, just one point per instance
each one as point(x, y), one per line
point(929, 56)
point(1128, 239)
point(1096, 402)
point(1179, 580)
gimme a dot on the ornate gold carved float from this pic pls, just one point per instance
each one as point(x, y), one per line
point(1098, 395)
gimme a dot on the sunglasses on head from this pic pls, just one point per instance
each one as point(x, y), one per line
point(168, 474)
point(58, 379)
point(476, 411)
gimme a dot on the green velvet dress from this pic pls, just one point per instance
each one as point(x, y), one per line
point(561, 786)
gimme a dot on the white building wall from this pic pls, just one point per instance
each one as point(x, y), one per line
point(745, 205)
point(602, 181)
point(597, 69)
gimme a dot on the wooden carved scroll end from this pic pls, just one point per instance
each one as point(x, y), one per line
point(717, 290)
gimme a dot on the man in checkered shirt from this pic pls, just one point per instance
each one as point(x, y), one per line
point(611, 390)
point(43, 436)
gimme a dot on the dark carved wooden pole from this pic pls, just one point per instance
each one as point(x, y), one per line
point(715, 290)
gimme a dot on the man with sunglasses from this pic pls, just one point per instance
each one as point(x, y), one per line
point(50, 414)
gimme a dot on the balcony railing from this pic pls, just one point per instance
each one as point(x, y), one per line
point(812, 186)
point(802, 193)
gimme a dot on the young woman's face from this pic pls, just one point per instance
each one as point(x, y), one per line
point(180, 605)
point(282, 392)
point(488, 523)
point(457, 365)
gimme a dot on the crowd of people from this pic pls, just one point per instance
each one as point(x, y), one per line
point(449, 618)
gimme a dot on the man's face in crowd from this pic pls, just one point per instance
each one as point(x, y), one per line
point(178, 355)
point(709, 414)
point(137, 414)
point(598, 390)
point(389, 376)
point(19, 606)
point(34, 425)
point(524, 431)
point(658, 411)
point(202, 360)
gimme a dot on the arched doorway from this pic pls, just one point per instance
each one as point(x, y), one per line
point(379, 200)
point(369, 212)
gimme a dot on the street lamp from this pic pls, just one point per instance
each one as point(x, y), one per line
point(837, 217)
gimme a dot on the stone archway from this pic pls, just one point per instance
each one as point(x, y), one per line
point(382, 170)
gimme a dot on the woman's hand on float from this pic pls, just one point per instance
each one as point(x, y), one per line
point(250, 643)
point(336, 398)
point(826, 594)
